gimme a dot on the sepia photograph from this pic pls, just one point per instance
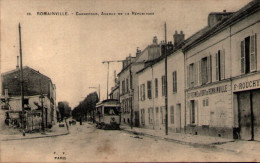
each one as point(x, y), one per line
point(129, 81)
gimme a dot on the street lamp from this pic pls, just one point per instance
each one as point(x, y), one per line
point(42, 99)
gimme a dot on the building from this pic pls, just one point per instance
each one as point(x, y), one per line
point(222, 76)
point(35, 84)
point(129, 82)
point(152, 89)
point(114, 94)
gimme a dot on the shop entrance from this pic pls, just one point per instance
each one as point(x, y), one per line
point(249, 114)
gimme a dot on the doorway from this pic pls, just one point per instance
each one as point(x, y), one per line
point(249, 115)
point(178, 118)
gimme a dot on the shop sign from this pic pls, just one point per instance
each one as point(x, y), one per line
point(209, 91)
point(246, 85)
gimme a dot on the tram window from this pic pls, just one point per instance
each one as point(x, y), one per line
point(111, 111)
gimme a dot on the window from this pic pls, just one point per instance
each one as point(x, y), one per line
point(163, 86)
point(127, 86)
point(150, 114)
point(156, 87)
point(143, 116)
point(142, 92)
point(162, 116)
point(157, 114)
point(191, 77)
point(220, 65)
point(172, 114)
point(149, 89)
point(123, 87)
point(248, 54)
point(192, 107)
point(205, 70)
point(174, 79)
point(206, 102)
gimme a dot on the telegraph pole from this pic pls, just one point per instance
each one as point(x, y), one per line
point(108, 71)
point(166, 83)
point(21, 80)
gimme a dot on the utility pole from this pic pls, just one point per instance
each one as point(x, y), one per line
point(21, 80)
point(41, 98)
point(108, 71)
point(166, 83)
point(131, 93)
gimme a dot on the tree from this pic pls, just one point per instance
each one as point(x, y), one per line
point(85, 107)
point(65, 109)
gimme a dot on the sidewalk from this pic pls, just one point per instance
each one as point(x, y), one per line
point(54, 131)
point(198, 140)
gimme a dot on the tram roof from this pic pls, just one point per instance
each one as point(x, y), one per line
point(108, 102)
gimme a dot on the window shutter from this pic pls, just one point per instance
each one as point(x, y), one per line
point(243, 66)
point(252, 53)
point(196, 110)
point(217, 68)
point(195, 74)
point(200, 74)
point(144, 91)
point(209, 69)
point(222, 64)
point(188, 77)
point(191, 112)
point(175, 81)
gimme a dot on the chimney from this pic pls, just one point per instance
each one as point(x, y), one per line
point(155, 40)
point(178, 37)
point(115, 79)
point(17, 66)
point(216, 17)
point(138, 52)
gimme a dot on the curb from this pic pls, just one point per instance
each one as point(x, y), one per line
point(36, 137)
point(212, 146)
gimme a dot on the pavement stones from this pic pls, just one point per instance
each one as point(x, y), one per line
point(54, 131)
point(197, 140)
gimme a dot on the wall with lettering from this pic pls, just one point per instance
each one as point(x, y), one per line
point(214, 105)
point(246, 83)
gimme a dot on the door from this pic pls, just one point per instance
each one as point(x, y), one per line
point(244, 114)
point(136, 118)
point(256, 111)
point(178, 118)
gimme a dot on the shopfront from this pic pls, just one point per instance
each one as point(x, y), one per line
point(247, 97)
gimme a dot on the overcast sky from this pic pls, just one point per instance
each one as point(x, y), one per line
point(70, 49)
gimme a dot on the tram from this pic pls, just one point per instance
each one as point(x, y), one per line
point(107, 114)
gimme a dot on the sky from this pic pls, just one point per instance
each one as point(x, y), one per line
point(70, 49)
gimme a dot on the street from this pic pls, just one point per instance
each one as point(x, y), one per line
point(86, 144)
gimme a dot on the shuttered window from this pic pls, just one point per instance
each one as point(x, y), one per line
point(253, 55)
point(174, 81)
point(156, 87)
point(243, 69)
point(220, 65)
point(172, 114)
point(249, 54)
point(191, 75)
point(163, 86)
point(209, 69)
point(149, 89)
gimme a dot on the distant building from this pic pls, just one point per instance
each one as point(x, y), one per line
point(114, 94)
point(129, 94)
point(152, 89)
point(35, 84)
